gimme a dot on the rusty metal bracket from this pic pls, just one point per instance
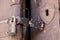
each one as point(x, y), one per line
point(34, 23)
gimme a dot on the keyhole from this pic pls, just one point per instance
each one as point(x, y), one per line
point(47, 12)
point(12, 20)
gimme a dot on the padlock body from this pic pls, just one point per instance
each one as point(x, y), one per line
point(12, 27)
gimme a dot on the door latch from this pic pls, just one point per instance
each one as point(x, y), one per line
point(13, 21)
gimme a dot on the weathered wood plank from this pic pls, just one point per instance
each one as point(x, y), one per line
point(51, 31)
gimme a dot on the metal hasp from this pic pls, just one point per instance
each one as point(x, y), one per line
point(24, 21)
point(33, 23)
point(36, 24)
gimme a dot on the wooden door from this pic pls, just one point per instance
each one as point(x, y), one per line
point(51, 30)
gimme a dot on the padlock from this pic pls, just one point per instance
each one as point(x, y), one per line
point(12, 26)
point(47, 13)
